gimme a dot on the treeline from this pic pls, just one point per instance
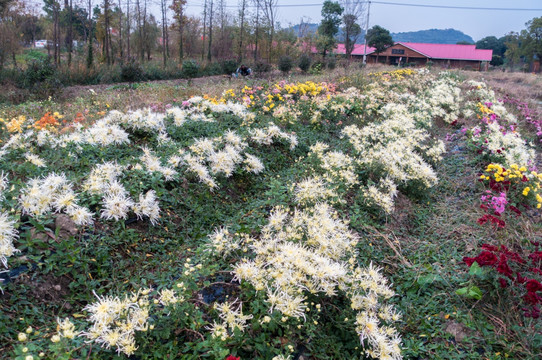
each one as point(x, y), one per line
point(113, 32)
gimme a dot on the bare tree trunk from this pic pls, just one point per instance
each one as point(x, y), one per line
point(107, 39)
point(145, 31)
point(121, 48)
point(257, 32)
point(163, 10)
point(204, 30)
point(70, 33)
point(128, 28)
point(56, 33)
point(140, 31)
point(90, 58)
point(241, 30)
point(210, 30)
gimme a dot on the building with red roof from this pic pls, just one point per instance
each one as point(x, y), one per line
point(444, 55)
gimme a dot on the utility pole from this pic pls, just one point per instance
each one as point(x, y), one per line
point(366, 30)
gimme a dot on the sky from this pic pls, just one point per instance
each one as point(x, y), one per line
point(400, 18)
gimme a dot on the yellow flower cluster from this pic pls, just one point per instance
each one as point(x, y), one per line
point(393, 75)
point(484, 110)
point(15, 124)
point(529, 182)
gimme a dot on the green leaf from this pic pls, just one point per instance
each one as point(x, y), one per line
point(476, 270)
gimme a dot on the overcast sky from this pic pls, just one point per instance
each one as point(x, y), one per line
point(400, 18)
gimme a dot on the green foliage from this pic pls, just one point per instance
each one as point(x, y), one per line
point(228, 66)
point(132, 72)
point(379, 38)
point(305, 62)
point(262, 67)
point(190, 69)
point(329, 27)
point(351, 31)
point(331, 63)
point(531, 37)
point(285, 64)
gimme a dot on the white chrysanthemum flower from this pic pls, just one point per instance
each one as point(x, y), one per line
point(253, 164)
point(116, 206)
point(34, 159)
point(148, 206)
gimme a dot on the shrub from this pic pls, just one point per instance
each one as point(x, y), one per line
point(190, 69)
point(331, 63)
point(285, 64)
point(262, 67)
point(305, 62)
point(38, 71)
point(228, 66)
point(317, 68)
point(132, 72)
point(212, 69)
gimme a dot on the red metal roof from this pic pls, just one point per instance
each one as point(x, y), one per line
point(450, 51)
point(433, 51)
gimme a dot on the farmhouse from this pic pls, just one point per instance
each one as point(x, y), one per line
point(444, 55)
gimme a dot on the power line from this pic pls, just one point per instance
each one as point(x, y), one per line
point(396, 4)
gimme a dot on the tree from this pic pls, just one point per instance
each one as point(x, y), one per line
point(242, 9)
point(379, 38)
point(178, 8)
point(531, 39)
point(352, 16)
point(497, 45)
point(352, 31)
point(329, 27)
point(270, 12)
point(513, 49)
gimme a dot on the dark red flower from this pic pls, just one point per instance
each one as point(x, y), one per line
point(503, 283)
point(533, 285)
point(503, 267)
point(532, 298)
point(231, 357)
point(515, 209)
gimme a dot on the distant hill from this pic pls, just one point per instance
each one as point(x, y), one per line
point(434, 36)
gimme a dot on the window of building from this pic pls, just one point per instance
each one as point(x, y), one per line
point(398, 51)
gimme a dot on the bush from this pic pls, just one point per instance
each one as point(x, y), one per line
point(190, 69)
point(228, 66)
point(132, 72)
point(212, 69)
point(305, 62)
point(262, 67)
point(317, 68)
point(332, 63)
point(38, 71)
point(285, 64)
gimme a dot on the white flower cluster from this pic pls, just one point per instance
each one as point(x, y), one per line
point(53, 192)
point(444, 97)
point(501, 139)
point(396, 146)
point(152, 164)
point(382, 195)
point(147, 206)
point(266, 136)
point(232, 318)
point(34, 159)
point(7, 228)
point(117, 203)
point(338, 166)
point(312, 190)
point(508, 146)
point(309, 251)
point(115, 321)
point(210, 157)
